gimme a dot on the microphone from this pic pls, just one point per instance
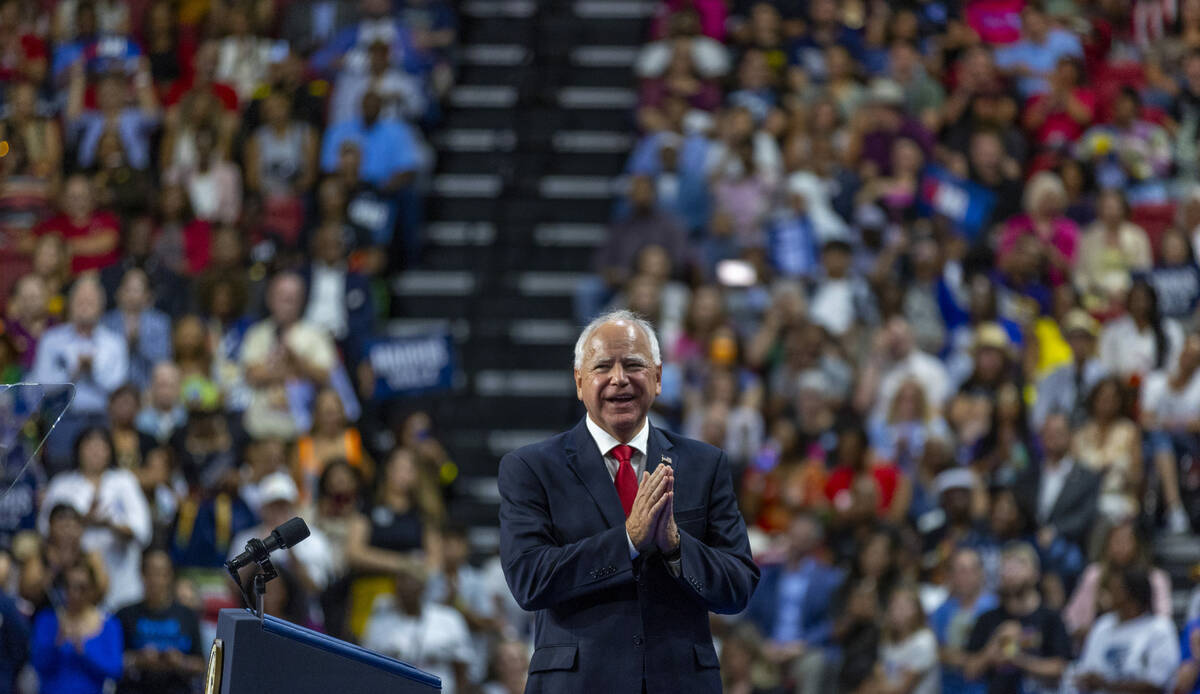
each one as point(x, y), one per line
point(289, 534)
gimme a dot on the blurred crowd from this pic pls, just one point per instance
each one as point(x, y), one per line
point(200, 204)
point(927, 271)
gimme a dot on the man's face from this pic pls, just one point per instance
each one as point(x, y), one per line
point(1034, 24)
point(77, 198)
point(966, 573)
point(903, 62)
point(956, 503)
point(986, 151)
point(823, 11)
point(164, 386)
point(1082, 343)
point(158, 576)
point(87, 303)
point(286, 300)
point(123, 408)
point(803, 536)
point(618, 379)
point(1017, 574)
point(327, 246)
point(1056, 437)
point(66, 529)
point(1125, 110)
point(133, 294)
point(641, 192)
point(409, 591)
point(276, 512)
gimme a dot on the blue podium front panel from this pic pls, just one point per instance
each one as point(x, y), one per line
point(277, 656)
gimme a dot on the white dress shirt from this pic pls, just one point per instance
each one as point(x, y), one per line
point(606, 442)
point(327, 299)
point(1054, 477)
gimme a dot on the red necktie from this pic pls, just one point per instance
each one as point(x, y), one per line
point(625, 480)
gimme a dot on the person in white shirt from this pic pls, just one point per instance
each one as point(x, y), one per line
point(908, 656)
point(1129, 649)
point(285, 359)
point(86, 354)
point(403, 98)
point(896, 359)
point(463, 587)
point(311, 561)
point(114, 510)
point(420, 632)
point(1141, 340)
point(1170, 408)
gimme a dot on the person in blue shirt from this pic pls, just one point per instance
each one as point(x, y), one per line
point(825, 28)
point(676, 162)
point(1034, 57)
point(14, 643)
point(163, 650)
point(76, 646)
point(377, 21)
point(390, 156)
point(953, 620)
point(791, 607)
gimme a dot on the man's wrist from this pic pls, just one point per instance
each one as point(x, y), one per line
point(675, 553)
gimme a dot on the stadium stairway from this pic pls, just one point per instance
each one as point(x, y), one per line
point(536, 134)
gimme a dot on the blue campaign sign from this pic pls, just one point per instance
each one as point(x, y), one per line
point(966, 204)
point(411, 365)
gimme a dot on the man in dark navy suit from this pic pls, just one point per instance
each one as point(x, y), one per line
point(622, 537)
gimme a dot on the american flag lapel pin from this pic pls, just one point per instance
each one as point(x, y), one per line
point(666, 460)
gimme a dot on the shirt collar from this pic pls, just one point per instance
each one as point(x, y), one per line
point(1064, 465)
point(605, 441)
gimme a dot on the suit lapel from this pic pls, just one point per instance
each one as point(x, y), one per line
point(656, 446)
point(1064, 500)
point(585, 460)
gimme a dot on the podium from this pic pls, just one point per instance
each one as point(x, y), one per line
point(278, 656)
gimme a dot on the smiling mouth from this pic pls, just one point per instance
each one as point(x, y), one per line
point(620, 399)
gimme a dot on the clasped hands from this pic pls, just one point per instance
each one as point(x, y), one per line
point(651, 520)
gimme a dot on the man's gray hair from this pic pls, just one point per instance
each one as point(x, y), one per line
point(613, 317)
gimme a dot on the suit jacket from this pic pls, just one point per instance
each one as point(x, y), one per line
point(360, 311)
point(1075, 508)
point(816, 618)
point(604, 622)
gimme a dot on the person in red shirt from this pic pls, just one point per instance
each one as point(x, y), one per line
point(92, 236)
point(1057, 118)
point(854, 466)
point(202, 78)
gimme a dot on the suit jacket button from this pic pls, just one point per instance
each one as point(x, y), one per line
point(637, 640)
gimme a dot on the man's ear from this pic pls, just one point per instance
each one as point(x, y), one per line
point(658, 379)
point(578, 384)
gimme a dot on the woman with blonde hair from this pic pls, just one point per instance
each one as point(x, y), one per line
point(400, 532)
point(1045, 204)
point(908, 653)
point(332, 438)
point(911, 421)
